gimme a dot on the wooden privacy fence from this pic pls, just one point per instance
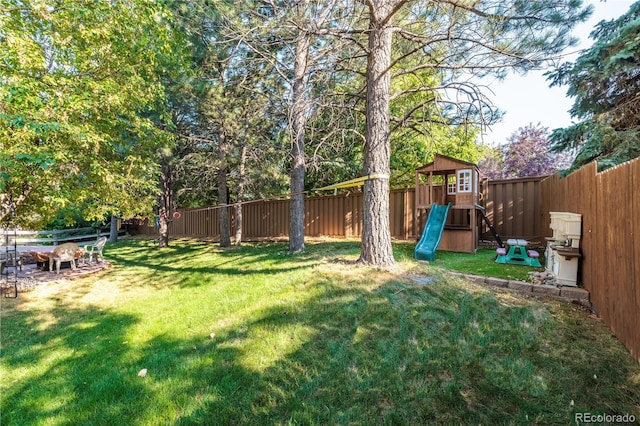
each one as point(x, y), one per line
point(514, 208)
point(609, 203)
point(512, 205)
point(333, 216)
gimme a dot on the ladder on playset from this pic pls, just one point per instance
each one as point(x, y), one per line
point(490, 225)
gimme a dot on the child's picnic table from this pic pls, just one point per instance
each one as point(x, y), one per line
point(517, 254)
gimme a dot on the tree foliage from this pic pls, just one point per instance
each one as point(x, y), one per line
point(605, 81)
point(492, 163)
point(232, 99)
point(526, 154)
point(78, 83)
point(93, 92)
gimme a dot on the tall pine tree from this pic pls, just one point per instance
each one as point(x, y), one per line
point(605, 81)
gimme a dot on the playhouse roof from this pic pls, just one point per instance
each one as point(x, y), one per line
point(443, 163)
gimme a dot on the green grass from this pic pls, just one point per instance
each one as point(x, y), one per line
point(256, 336)
point(482, 263)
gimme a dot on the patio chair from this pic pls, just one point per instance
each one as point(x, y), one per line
point(67, 252)
point(95, 250)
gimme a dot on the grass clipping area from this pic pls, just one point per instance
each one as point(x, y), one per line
point(195, 334)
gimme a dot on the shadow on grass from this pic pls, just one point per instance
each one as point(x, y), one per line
point(87, 372)
point(66, 361)
point(425, 355)
point(184, 264)
point(353, 353)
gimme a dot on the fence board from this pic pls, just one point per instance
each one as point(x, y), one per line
point(610, 266)
point(514, 207)
point(635, 278)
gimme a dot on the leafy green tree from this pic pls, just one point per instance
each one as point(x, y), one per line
point(186, 178)
point(605, 81)
point(78, 83)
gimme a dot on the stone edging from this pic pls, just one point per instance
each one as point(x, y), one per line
point(570, 294)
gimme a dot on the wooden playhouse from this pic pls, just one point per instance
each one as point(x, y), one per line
point(448, 180)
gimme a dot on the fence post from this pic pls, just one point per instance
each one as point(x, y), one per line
point(347, 217)
point(406, 212)
point(483, 203)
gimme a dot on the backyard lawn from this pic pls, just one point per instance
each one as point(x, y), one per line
point(482, 263)
point(257, 336)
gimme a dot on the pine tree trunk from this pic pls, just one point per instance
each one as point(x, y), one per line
point(298, 122)
point(164, 204)
point(223, 199)
point(241, 183)
point(113, 229)
point(376, 233)
point(163, 239)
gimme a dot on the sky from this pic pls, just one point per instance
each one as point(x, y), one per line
point(529, 99)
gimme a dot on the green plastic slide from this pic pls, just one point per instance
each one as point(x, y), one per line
point(426, 248)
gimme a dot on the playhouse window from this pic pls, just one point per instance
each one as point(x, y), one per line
point(464, 180)
point(451, 184)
